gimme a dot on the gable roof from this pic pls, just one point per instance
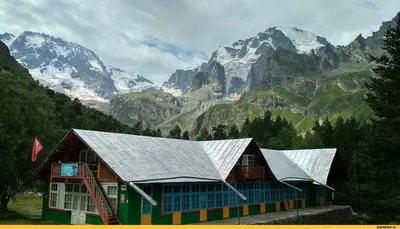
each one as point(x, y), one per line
point(225, 153)
point(283, 168)
point(315, 162)
point(142, 159)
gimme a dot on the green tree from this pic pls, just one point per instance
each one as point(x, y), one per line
point(383, 145)
point(158, 133)
point(309, 141)
point(26, 112)
point(204, 135)
point(324, 131)
point(185, 135)
point(245, 130)
point(138, 128)
point(29, 110)
point(219, 132)
point(147, 132)
point(383, 94)
point(233, 132)
point(175, 132)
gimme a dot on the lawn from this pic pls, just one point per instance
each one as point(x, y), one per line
point(24, 210)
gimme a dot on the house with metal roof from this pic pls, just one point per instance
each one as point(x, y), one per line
point(97, 177)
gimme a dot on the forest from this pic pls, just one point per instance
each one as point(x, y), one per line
point(370, 150)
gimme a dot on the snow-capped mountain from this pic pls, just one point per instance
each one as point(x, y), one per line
point(69, 68)
point(7, 38)
point(129, 82)
point(234, 69)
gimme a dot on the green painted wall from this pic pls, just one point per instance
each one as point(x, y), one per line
point(216, 214)
point(129, 211)
point(270, 208)
point(61, 217)
point(254, 210)
point(94, 220)
point(134, 207)
point(190, 217)
point(156, 217)
point(233, 212)
point(123, 207)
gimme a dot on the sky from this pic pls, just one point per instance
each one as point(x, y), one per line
point(156, 37)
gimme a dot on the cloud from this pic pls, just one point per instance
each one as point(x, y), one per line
point(156, 37)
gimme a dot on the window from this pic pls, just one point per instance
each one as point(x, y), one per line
point(75, 201)
point(185, 202)
point(68, 201)
point(195, 202)
point(147, 207)
point(211, 200)
point(83, 203)
point(90, 205)
point(219, 200)
point(112, 194)
point(167, 204)
point(87, 156)
point(69, 187)
point(71, 197)
point(53, 200)
point(184, 198)
point(203, 201)
point(248, 160)
point(177, 203)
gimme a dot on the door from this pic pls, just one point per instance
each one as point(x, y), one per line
point(74, 217)
point(78, 215)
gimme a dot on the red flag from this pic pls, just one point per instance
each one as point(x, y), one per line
point(36, 148)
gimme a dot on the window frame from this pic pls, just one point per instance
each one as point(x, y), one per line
point(217, 195)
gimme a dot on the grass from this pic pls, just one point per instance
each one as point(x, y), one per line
point(26, 210)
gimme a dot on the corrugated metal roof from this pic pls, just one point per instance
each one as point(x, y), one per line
point(225, 153)
point(282, 167)
point(177, 180)
point(139, 158)
point(315, 162)
point(144, 159)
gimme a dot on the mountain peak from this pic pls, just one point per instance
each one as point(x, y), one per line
point(70, 68)
point(236, 68)
point(7, 38)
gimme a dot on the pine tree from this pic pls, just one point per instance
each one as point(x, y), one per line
point(233, 132)
point(147, 132)
point(219, 132)
point(185, 135)
point(245, 131)
point(158, 133)
point(383, 94)
point(138, 128)
point(204, 135)
point(175, 132)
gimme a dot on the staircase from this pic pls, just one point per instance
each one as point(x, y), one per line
point(102, 203)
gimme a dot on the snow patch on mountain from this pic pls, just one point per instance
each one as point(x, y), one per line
point(303, 41)
point(7, 38)
point(96, 66)
point(169, 88)
point(35, 41)
point(129, 81)
point(61, 81)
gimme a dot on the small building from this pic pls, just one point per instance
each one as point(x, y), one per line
point(110, 178)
